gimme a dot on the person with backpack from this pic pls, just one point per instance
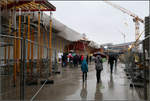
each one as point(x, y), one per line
point(98, 67)
point(84, 68)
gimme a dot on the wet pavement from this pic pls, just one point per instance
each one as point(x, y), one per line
point(69, 86)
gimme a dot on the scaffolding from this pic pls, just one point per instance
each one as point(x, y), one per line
point(138, 65)
point(19, 41)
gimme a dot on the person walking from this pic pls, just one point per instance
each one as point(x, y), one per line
point(90, 59)
point(98, 67)
point(116, 60)
point(77, 60)
point(84, 68)
point(87, 59)
point(63, 61)
point(82, 57)
point(111, 62)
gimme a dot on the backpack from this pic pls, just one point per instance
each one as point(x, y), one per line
point(99, 64)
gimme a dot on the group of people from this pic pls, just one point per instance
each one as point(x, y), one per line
point(98, 66)
point(83, 61)
point(69, 59)
point(75, 60)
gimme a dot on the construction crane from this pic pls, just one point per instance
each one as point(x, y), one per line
point(124, 35)
point(136, 18)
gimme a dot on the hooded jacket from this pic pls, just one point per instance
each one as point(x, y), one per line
point(84, 66)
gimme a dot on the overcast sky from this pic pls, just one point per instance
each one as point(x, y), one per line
point(100, 21)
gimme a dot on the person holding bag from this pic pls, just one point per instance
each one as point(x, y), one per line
point(98, 67)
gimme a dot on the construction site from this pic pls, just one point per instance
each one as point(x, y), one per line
point(41, 57)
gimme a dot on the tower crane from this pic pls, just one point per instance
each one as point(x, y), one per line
point(136, 19)
point(124, 35)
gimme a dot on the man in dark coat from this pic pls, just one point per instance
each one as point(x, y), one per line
point(75, 60)
point(116, 60)
point(63, 60)
point(90, 59)
point(111, 62)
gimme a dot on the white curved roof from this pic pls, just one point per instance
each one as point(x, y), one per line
point(94, 44)
point(64, 31)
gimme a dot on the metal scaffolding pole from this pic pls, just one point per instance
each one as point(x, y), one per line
point(41, 51)
point(10, 22)
point(41, 43)
point(28, 56)
point(60, 45)
point(0, 37)
point(0, 20)
point(14, 69)
point(32, 54)
point(22, 81)
point(46, 38)
point(18, 43)
point(38, 53)
point(50, 43)
point(57, 48)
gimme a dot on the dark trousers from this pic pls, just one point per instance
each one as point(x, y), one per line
point(84, 76)
point(111, 67)
point(98, 75)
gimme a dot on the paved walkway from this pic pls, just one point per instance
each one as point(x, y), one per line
point(69, 86)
